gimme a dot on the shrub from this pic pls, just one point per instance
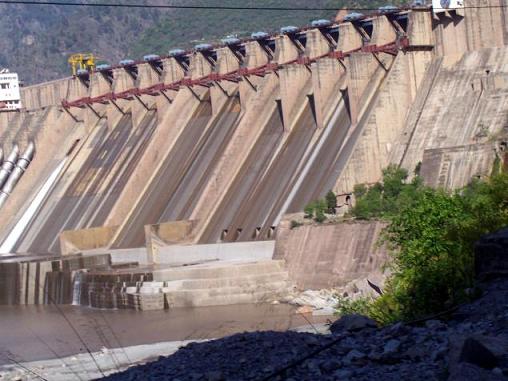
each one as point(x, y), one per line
point(385, 199)
point(346, 306)
point(359, 190)
point(316, 209)
point(320, 216)
point(431, 236)
point(295, 224)
point(309, 210)
point(331, 202)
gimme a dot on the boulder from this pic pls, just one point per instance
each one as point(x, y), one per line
point(353, 322)
point(485, 352)
point(474, 352)
point(467, 371)
point(491, 254)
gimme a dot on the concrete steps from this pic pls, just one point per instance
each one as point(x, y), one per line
point(264, 293)
point(205, 284)
point(219, 270)
point(245, 281)
point(224, 283)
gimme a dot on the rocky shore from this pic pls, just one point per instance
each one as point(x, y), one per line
point(469, 342)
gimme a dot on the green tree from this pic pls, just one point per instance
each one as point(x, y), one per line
point(331, 201)
point(431, 236)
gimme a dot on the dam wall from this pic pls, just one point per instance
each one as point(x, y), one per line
point(331, 255)
point(226, 141)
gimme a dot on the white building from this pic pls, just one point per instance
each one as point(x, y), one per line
point(10, 97)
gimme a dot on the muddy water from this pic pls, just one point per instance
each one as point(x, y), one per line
point(43, 332)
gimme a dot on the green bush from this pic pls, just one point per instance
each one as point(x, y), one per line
point(386, 198)
point(309, 210)
point(346, 306)
point(430, 236)
point(331, 202)
point(316, 210)
point(320, 216)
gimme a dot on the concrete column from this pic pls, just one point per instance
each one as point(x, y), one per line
point(327, 73)
point(255, 56)
point(199, 66)
point(147, 76)
point(317, 45)
point(384, 103)
point(122, 80)
point(450, 34)
point(420, 29)
point(383, 31)
point(349, 38)
point(293, 80)
point(172, 70)
point(285, 50)
point(227, 62)
point(359, 71)
point(99, 85)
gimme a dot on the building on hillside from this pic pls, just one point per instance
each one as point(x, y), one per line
point(10, 97)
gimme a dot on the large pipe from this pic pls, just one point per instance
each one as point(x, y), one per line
point(8, 164)
point(12, 239)
point(20, 168)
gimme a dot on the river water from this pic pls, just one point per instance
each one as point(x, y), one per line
point(32, 333)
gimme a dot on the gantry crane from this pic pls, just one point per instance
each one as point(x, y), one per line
point(82, 61)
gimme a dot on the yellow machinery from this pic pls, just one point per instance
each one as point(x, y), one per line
point(82, 61)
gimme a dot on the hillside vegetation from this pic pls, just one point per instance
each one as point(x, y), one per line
point(37, 40)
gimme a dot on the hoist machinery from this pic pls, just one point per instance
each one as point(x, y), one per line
point(82, 61)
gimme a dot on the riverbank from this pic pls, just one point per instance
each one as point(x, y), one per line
point(472, 344)
point(40, 336)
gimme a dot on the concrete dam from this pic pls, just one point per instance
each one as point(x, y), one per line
point(199, 155)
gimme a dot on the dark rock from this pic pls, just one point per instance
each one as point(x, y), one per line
point(439, 352)
point(469, 372)
point(416, 352)
point(353, 322)
point(343, 374)
point(391, 346)
point(330, 365)
point(215, 376)
point(435, 324)
point(397, 329)
point(353, 356)
point(474, 352)
point(491, 254)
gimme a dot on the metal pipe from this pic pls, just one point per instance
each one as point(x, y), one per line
point(20, 168)
point(1, 156)
point(8, 164)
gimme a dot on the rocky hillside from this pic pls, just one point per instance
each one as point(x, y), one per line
point(36, 40)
